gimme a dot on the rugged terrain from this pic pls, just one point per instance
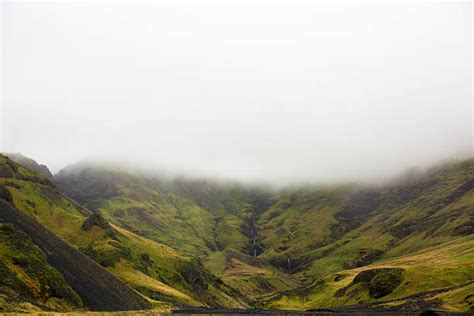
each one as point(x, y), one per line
point(148, 267)
point(182, 242)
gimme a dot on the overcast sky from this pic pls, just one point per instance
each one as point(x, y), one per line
point(279, 92)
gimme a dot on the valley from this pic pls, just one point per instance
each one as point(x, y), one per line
point(178, 243)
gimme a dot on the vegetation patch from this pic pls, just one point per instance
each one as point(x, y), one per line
point(25, 271)
point(380, 282)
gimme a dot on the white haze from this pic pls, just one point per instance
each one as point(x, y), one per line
point(281, 92)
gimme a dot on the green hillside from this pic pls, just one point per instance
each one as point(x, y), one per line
point(157, 271)
point(301, 235)
point(204, 219)
point(185, 242)
point(439, 277)
point(28, 281)
point(79, 271)
point(358, 225)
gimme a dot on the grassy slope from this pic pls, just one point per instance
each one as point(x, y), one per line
point(28, 281)
point(324, 231)
point(301, 222)
point(199, 218)
point(144, 263)
point(196, 217)
point(443, 267)
point(404, 218)
point(396, 220)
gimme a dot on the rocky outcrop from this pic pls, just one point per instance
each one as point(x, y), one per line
point(30, 164)
point(380, 282)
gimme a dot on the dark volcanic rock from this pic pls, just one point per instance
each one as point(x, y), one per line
point(24, 254)
point(98, 289)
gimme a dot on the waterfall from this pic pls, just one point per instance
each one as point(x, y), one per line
point(253, 237)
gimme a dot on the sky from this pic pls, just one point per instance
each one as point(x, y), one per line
point(282, 92)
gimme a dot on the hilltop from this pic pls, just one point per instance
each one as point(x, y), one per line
point(30, 164)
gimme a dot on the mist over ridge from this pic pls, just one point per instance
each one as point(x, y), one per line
point(151, 172)
point(236, 157)
point(311, 93)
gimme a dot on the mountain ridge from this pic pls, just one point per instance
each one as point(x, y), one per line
point(255, 244)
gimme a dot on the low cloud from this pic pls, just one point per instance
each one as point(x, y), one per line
point(280, 93)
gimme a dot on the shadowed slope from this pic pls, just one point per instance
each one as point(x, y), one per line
point(27, 280)
point(98, 289)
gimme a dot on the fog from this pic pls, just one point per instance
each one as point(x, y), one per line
point(280, 92)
